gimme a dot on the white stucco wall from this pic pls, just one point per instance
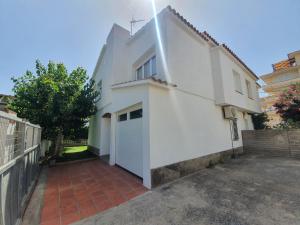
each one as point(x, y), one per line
point(297, 57)
point(189, 62)
point(105, 125)
point(223, 67)
point(140, 48)
point(185, 126)
point(127, 97)
point(179, 123)
point(110, 67)
point(185, 121)
point(95, 131)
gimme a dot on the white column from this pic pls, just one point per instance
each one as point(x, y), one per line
point(146, 142)
point(112, 149)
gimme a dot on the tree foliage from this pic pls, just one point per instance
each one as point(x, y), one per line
point(60, 102)
point(288, 106)
point(260, 121)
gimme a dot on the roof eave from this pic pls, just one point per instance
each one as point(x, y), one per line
point(207, 37)
point(224, 46)
point(99, 60)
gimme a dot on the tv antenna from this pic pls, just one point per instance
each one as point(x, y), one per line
point(132, 23)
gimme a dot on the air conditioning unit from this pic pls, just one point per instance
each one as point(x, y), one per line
point(229, 112)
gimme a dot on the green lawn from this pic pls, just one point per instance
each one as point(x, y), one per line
point(75, 153)
point(74, 149)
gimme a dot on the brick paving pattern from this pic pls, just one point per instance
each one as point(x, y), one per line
point(80, 190)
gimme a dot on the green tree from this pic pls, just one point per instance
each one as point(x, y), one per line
point(59, 102)
point(260, 121)
point(288, 106)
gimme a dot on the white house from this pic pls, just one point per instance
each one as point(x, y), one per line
point(172, 99)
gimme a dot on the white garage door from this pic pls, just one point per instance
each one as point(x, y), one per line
point(129, 141)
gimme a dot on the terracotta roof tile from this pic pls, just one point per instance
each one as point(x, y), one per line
point(211, 38)
point(208, 37)
point(238, 59)
point(186, 22)
point(283, 64)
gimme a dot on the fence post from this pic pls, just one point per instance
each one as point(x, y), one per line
point(289, 144)
point(33, 134)
point(20, 173)
point(1, 195)
point(22, 131)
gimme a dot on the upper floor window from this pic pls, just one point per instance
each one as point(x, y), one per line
point(249, 89)
point(146, 70)
point(237, 82)
point(100, 88)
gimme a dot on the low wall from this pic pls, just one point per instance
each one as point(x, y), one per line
point(94, 150)
point(284, 143)
point(174, 171)
point(71, 143)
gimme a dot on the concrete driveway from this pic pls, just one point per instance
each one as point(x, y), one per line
point(249, 190)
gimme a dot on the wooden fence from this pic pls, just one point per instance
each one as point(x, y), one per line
point(19, 166)
point(272, 142)
point(78, 142)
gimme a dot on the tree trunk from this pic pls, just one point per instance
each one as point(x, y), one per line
point(45, 146)
point(58, 144)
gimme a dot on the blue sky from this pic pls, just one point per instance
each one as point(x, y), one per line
point(260, 32)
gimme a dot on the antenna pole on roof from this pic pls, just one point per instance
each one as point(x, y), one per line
point(132, 23)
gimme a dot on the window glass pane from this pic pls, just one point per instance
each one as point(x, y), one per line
point(237, 81)
point(235, 130)
point(139, 73)
point(147, 72)
point(249, 91)
point(123, 117)
point(136, 114)
point(153, 65)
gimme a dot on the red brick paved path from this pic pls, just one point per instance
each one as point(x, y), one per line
point(77, 191)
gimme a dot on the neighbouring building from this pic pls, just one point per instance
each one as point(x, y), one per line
point(172, 99)
point(4, 100)
point(284, 73)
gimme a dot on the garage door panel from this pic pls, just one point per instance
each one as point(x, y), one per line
point(129, 145)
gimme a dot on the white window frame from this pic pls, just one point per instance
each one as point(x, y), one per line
point(134, 111)
point(143, 68)
point(121, 114)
